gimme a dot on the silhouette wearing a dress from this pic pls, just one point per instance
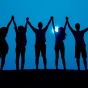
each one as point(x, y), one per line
point(21, 42)
point(3, 44)
point(59, 44)
point(80, 46)
point(40, 45)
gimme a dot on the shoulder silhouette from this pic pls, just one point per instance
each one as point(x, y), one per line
point(21, 36)
point(61, 34)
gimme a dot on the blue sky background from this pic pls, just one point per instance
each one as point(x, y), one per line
point(41, 10)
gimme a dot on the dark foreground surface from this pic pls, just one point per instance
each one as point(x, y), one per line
point(43, 78)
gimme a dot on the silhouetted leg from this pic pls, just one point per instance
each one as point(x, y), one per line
point(17, 57)
point(43, 51)
point(37, 53)
point(56, 60)
point(64, 64)
point(85, 63)
point(77, 56)
point(44, 60)
point(62, 49)
point(84, 56)
point(78, 63)
point(23, 58)
point(3, 52)
point(56, 56)
point(3, 61)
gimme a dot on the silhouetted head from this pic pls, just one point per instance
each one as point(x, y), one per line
point(21, 29)
point(40, 25)
point(60, 29)
point(3, 32)
point(77, 26)
point(62, 33)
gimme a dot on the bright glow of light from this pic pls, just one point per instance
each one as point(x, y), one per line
point(56, 29)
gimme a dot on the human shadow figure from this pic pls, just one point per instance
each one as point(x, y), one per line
point(59, 44)
point(40, 45)
point(80, 46)
point(21, 42)
point(3, 43)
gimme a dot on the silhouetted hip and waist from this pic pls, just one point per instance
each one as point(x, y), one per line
point(59, 46)
point(40, 46)
point(59, 43)
point(80, 49)
point(3, 47)
point(40, 42)
point(20, 48)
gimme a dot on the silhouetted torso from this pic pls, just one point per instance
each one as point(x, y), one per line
point(21, 38)
point(3, 42)
point(60, 37)
point(3, 33)
point(79, 37)
point(40, 36)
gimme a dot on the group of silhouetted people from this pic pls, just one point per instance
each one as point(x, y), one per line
point(40, 43)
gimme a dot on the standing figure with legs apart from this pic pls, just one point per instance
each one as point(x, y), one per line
point(40, 44)
point(21, 42)
point(59, 44)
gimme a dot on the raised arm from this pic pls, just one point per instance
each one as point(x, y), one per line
point(69, 25)
point(34, 29)
point(26, 25)
point(9, 23)
point(46, 27)
point(15, 26)
point(48, 23)
point(65, 23)
point(53, 27)
point(85, 30)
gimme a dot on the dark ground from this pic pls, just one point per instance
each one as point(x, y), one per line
point(43, 78)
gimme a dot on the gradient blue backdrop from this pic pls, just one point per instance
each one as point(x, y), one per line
point(41, 10)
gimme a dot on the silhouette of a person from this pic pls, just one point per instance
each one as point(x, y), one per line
point(40, 45)
point(21, 42)
point(59, 44)
point(3, 44)
point(80, 46)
